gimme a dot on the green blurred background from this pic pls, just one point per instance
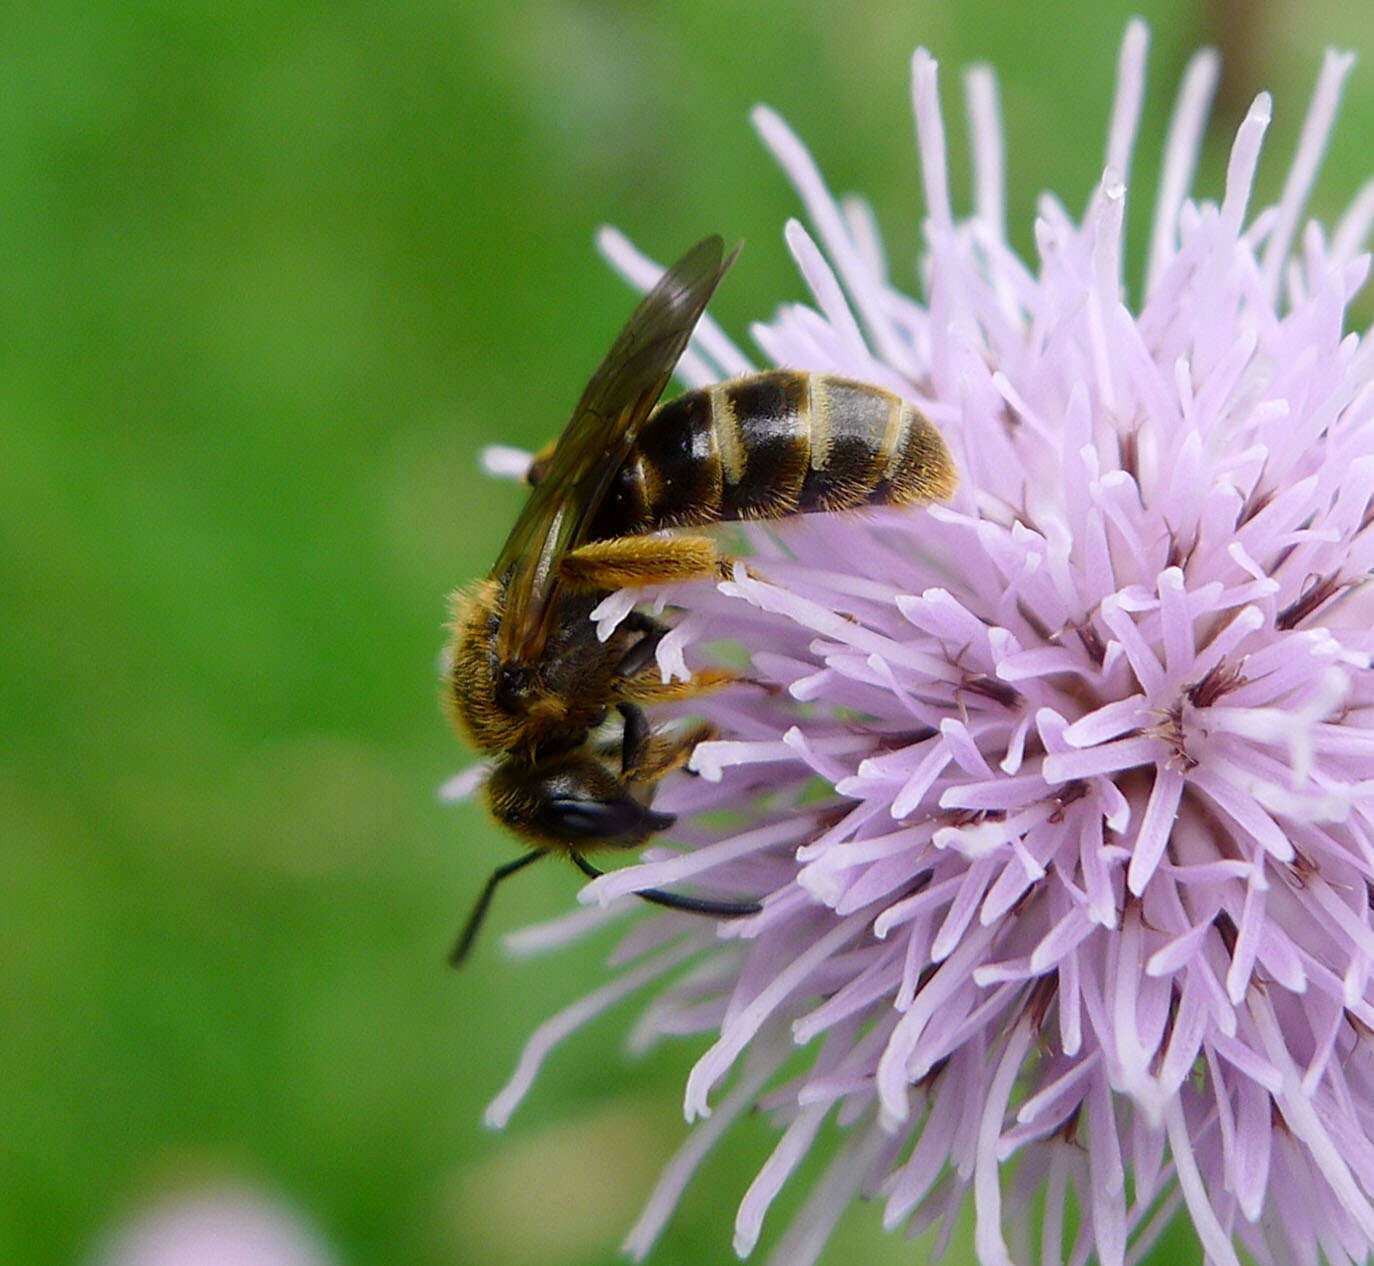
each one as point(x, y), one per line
point(271, 275)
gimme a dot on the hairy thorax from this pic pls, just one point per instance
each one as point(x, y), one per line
point(544, 706)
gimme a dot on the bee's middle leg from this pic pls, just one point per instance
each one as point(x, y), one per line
point(637, 679)
point(648, 687)
point(641, 655)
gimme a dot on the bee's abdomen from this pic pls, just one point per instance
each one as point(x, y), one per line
point(773, 444)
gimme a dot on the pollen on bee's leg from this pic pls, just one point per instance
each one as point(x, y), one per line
point(648, 687)
point(639, 560)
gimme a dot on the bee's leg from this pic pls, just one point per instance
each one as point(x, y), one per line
point(479, 911)
point(635, 743)
point(693, 905)
point(637, 679)
point(648, 687)
point(641, 560)
point(642, 622)
point(645, 756)
point(641, 654)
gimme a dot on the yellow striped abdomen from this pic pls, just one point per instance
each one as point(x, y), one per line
point(770, 445)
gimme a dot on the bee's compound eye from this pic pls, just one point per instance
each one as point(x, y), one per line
point(513, 687)
point(604, 819)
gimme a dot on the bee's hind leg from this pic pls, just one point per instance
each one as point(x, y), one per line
point(624, 561)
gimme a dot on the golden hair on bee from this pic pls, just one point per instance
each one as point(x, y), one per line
point(477, 685)
point(530, 682)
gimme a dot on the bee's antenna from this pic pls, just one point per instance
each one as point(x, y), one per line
point(479, 911)
point(672, 901)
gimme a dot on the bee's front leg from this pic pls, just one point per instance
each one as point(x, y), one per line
point(646, 757)
point(635, 741)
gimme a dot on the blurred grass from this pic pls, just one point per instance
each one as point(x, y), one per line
point(272, 274)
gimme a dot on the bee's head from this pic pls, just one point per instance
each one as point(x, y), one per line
point(569, 801)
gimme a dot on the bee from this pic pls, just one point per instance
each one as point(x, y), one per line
point(529, 682)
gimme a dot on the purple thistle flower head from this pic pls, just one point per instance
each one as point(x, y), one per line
point(1064, 817)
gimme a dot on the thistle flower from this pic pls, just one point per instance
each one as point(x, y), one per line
point(1063, 819)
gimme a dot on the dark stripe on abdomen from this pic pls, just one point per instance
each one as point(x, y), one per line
point(854, 424)
point(672, 477)
point(773, 444)
point(764, 423)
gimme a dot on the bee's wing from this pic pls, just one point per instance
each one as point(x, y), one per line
point(595, 443)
